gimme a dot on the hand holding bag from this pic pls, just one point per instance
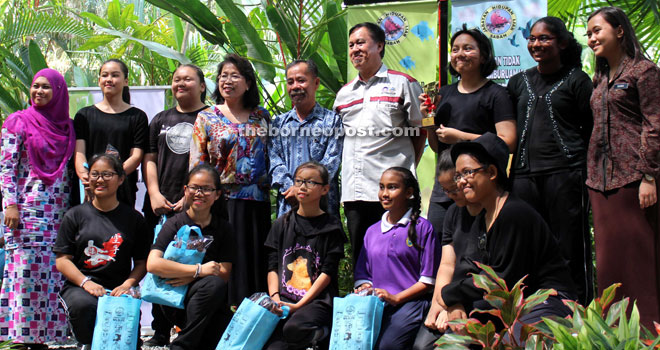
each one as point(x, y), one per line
point(183, 250)
point(251, 325)
point(356, 322)
point(117, 323)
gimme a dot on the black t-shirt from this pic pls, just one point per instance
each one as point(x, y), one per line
point(301, 249)
point(476, 113)
point(170, 133)
point(103, 244)
point(114, 133)
point(518, 243)
point(223, 247)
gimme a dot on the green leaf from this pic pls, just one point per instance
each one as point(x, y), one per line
point(197, 14)
point(8, 102)
point(79, 77)
point(114, 13)
point(607, 297)
point(535, 299)
point(338, 37)
point(178, 31)
point(493, 275)
point(37, 59)
point(96, 41)
point(561, 333)
point(484, 282)
point(325, 73)
point(236, 40)
point(257, 51)
point(153, 46)
point(96, 19)
point(127, 16)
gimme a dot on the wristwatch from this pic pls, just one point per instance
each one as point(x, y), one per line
point(649, 178)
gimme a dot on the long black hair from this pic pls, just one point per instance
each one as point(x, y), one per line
point(211, 170)
point(631, 46)
point(251, 96)
point(571, 56)
point(125, 93)
point(200, 75)
point(485, 50)
point(325, 178)
point(415, 202)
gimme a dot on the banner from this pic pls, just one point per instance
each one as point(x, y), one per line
point(508, 24)
point(410, 36)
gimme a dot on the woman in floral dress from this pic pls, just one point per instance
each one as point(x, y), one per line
point(232, 137)
point(37, 144)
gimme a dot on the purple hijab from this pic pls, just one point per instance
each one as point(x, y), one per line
point(47, 131)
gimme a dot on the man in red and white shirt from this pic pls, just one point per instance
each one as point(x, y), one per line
point(381, 118)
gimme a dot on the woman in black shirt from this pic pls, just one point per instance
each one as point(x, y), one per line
point(513, 238)
point(96, 246)
point(554, 126)
point(206, 312)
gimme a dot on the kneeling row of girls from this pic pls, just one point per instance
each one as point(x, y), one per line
point(99, 249)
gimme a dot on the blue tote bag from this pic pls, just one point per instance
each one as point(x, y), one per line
point(154, 288)
point(117, 323)
point(250, 327)
point(356, 322)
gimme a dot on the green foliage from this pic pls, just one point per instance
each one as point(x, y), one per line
point(601, 325)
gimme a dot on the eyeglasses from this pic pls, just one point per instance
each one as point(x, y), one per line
point(454, 191)
point(468, 174)
point(106, 175)
point(541, 38)
point(205, 190)
point(307, 183)
point(233, 77)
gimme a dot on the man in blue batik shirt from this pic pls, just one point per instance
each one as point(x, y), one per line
point(305, 133)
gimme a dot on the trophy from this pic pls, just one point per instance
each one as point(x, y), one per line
point(431, 90)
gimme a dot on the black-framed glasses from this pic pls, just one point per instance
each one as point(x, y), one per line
point(543, 39)
point(205, 190)
point(106, 175)
point(468, 174)
point(307, 183)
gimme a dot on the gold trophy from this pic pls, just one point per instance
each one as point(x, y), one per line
point(431, 90)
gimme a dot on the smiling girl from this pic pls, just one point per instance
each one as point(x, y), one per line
point(304, 249)
point(102, 244)
point(399, 260)
point(206, 312)
point(112, 126)
point(623, 162)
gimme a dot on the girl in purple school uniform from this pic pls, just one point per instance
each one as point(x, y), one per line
point(399, 260)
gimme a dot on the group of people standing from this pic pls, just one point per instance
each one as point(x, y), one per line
point(574, 141)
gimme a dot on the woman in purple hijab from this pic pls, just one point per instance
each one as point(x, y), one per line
point(37, 144)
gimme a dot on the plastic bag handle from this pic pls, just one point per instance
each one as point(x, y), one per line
point(185, 235)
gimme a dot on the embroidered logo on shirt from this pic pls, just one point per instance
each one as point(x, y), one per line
point(101, 256)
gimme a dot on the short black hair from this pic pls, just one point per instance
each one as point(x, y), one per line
point(311, 67)
point(114, 161)
point(485, 50)
point(251, 97)
point(445, 163)
point(211, 170)
point(376, 33)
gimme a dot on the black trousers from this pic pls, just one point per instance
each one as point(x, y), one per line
point(80, 308)
point(359, 216)
point(562, 200)
point(205, 317)
point(298, 330)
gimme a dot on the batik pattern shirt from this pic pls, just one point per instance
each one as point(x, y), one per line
point(238, 151)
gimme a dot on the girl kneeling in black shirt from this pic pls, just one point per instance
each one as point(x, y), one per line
point(206, 312)
point(96, 244)
point(511, 237)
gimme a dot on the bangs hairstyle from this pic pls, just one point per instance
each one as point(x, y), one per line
point(312, 69)
point(375, 32)
point(211, 170)
point(485, 51)
point(325, 178)
point(251, 96)
point(631, 46)
point(200, 76)
point(571, 56)
point(125, 93)
point(484, 159)
point(409, 181)
point(114, 162)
